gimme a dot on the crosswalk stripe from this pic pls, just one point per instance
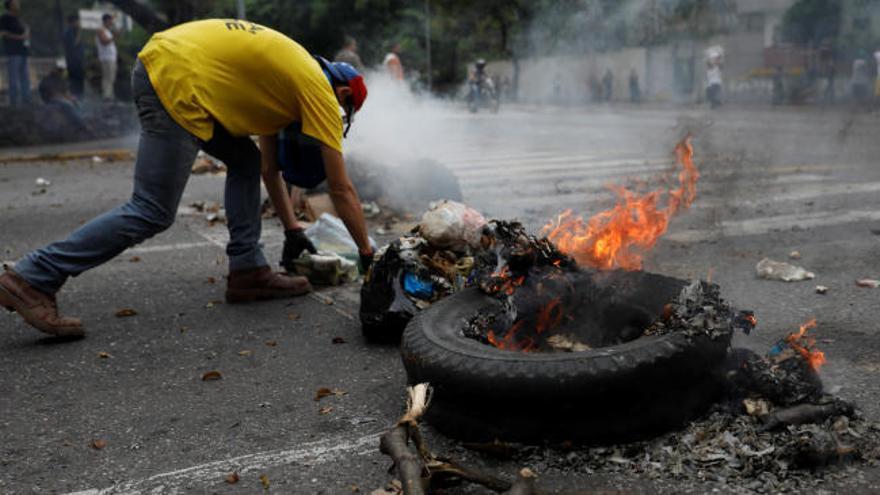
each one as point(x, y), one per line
point(563, 164)
point(766, 225)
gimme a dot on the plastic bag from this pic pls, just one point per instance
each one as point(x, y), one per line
point(325, 268)
point(330, 235)
point(778, 270)
point(385, 308)
point(452, 225)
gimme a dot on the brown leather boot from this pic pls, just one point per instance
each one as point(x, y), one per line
point(261, 283)
point(37, 308)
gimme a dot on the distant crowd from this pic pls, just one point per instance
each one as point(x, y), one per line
point(65, 86)
point(391, 63)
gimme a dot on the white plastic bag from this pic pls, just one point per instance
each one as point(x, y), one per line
point(778, 270)
point(329, 234)
point(452, 225)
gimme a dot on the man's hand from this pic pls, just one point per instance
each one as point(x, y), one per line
point(295, 242)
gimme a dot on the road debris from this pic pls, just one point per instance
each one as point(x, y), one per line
point(821, 289)
point(104, 355)
point(210, 376)
point(231, 478)
point(126, 313)
point(206, 164)
point(371, 209)
point(868, 283)
point(327, 392)
point(98, 443)
point(41, 182)
point(778, 270)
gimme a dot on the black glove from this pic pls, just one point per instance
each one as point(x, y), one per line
point(366, 262)
point(295, 242)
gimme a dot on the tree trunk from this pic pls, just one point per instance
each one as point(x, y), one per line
point(142, 14)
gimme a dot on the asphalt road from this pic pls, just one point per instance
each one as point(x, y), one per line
point(772, 182)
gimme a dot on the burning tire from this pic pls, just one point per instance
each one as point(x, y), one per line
point(618, 392)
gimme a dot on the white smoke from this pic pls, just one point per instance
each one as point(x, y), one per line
point(396, 125)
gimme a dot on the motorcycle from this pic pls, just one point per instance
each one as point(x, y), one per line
point(482, 94)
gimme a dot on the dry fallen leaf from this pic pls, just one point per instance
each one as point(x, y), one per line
point(326, 392)
point(245, 352)
point(124, 313)
point(212, 280)
point(338, 340)
point(212, 375)
point(292, 316)
point(394, 487)
point(103, 354)
point(265, 481)
point(270, 343)
point(183, 329)
point(231, 478)
point(135, 259)
point(98, 444)
point(325, 410)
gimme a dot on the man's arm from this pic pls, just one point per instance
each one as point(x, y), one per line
point(275, 184)
point(105, 36)
point(345, 198)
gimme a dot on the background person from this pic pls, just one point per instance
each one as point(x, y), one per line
point(392, 63)
point(713, 81)
point(74, 56)
point(16, 37)
point(349, 54)
point(105, 41)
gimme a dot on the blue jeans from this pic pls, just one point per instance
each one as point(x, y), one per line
point(164, 160)
point(19, 80)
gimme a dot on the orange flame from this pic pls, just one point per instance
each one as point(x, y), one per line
point(619, 237)
point(805, 345)
point(549, 317)
point(510, 341)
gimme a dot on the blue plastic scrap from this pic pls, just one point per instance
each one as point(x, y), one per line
point(416, 287)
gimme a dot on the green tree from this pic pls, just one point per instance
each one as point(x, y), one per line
point(811, 22)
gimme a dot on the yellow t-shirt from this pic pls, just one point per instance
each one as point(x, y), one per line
point(249, 78)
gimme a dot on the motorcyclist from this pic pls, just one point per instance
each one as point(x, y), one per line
point(482, 88)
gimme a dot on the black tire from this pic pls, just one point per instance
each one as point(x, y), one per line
point(611, 394)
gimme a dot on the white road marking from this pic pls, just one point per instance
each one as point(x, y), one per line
point(211, 473)
point(765, 225)
point(168, 247)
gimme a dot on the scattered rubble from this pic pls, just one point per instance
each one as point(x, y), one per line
point(206, 164)
point(778, 270)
